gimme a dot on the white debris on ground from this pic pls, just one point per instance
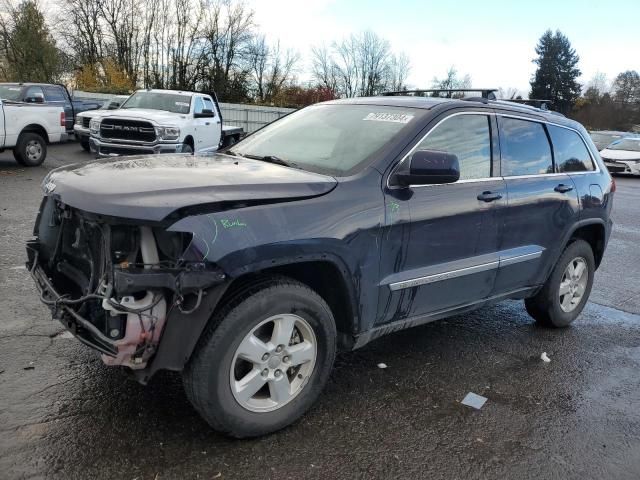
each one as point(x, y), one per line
point(474, 401)
point(544, 357)
point(382, 365)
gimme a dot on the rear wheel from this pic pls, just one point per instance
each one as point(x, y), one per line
point(567, 289)
point(264, 359)
point(30, 150)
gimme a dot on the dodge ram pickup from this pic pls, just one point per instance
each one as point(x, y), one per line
point(28, 129)
point(342, 222)
point(158, 121)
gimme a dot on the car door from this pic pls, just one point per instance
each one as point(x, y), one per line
point(55, 95)
point(439, 245)
point(542, 204)
point(207, 124)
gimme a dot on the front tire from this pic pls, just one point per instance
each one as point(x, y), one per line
point(84, 143)
point(263, 360)
point(567, 289)
point(30, 149)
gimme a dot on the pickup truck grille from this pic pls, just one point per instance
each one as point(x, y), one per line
point(86, 121)
point(131, 130)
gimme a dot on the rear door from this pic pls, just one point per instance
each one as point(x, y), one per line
point(439, 247)
point(542, 204)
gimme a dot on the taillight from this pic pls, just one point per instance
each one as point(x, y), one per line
point(63, 119)
point(613, 184)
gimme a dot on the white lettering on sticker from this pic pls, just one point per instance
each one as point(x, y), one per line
point(389, 117)
point(182, 104)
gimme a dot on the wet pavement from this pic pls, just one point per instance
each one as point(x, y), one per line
point(63, 414)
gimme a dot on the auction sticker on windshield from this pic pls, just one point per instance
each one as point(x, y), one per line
point(182, 104)
point(389, 117)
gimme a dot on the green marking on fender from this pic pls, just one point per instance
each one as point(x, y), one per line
point(235, 223)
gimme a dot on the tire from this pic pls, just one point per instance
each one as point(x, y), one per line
point(84, 143)
point(546, 306)
point(211, 384)
point(30, 150)
point(186, 148)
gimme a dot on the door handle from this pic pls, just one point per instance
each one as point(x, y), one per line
point(562, 188)
point(206, 123)
point(489, 196)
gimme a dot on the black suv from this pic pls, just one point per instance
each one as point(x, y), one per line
point(342, 222)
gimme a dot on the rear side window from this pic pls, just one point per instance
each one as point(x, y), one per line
point(208, 105)
point(469, 138)
point(54, 94)
point(570, 152)
point(524, 148)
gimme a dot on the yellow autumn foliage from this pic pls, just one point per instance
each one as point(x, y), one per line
point(104, 77)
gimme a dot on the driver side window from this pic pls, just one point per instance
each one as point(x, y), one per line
point(469, 138)
point(199, 106)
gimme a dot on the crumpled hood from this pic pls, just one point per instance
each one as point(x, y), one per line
point(161, 117)
point(620, 154)
point(152, 187)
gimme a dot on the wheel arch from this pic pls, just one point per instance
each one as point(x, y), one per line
point(36, 128)
point(593, 232)
point(189, 141)
point(325, 273)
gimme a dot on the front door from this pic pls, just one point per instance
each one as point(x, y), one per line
point(207, 125)
point(440, 241)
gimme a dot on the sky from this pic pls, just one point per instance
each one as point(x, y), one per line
point(492, 41)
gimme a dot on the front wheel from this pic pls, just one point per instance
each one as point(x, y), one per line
point(567, 289)
point(30, 150)
point(264, 359)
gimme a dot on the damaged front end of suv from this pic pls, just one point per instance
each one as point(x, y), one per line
point(113, 283)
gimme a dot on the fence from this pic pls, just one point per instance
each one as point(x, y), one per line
point(249, 117)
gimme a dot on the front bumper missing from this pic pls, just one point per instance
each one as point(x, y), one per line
point(79, 326)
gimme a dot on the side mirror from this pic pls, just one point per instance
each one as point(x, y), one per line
point(206, 113)
point(35, 98)
point(428, 167)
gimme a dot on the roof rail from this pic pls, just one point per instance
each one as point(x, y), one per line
point(533, 102)
point(488, 93)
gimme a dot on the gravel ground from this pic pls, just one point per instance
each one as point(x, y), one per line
point(65, 415)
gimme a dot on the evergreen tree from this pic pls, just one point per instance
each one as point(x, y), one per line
point(30, 50)
point(557, 73)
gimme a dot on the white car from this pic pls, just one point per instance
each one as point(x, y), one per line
point(623, 156)
point(27, 129)
point(158, 121)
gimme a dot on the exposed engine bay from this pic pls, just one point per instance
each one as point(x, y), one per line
point(113, 283)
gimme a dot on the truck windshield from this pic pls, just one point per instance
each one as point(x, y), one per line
point(168, 102)
point(335, 139)
point(10, 92)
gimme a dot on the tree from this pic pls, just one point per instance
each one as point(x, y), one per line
point(359, 65)
point(452, 81)
point(31, 52)
point(557, 73)
point(271, 68)
point(627, 87)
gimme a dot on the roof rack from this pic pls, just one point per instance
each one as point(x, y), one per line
point(487, 93)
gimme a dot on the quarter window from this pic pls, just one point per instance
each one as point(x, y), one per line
point(54, 94)
point(570, 152)
point(469, 138)
point(524, 148)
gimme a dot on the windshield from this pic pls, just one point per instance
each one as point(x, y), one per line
point(629, 144)
point(334, 139)
point(168, 102)
point(10, 92)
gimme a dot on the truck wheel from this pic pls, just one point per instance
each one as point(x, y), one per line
point(84, 143)
point(567, 289)
point(186, 148)
point(30, 150)
point(263, 360)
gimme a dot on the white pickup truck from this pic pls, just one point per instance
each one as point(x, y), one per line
point(159, 121)
point(27, 129)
